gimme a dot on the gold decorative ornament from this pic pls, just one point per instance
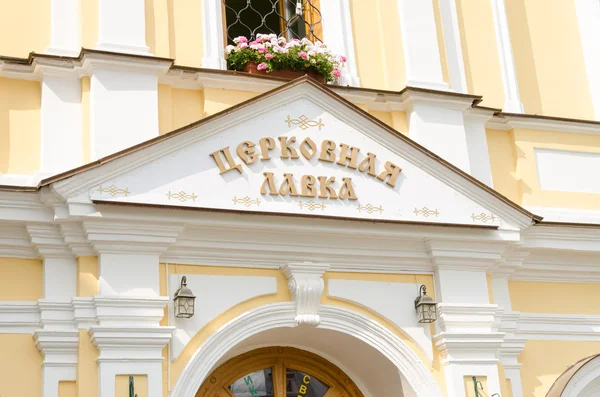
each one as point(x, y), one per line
point(113, 190)
point(304, 123)
point(311, 205)
point(246, 201)
point(369, 208)
point(483, 217)
point(182, 196)
point(426, 212)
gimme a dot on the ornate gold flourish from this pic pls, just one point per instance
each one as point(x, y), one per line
point(369, 208)
point(113, 190)
point(246, 201)
point(483, 217)
point(311, 205)
point(304, 123)
point(182, 196)
point(426, 212)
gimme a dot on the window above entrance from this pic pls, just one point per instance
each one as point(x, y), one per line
point(278, 372)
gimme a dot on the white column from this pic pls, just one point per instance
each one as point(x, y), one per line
point(454, 55)
point(477, 148)
point(421, 51)
point(512, 99)
point(337, 34)
point(122, 26)
point(213, 34)
point(61, 140)
point(65, 28)
point(588, 16)
point(123, 110)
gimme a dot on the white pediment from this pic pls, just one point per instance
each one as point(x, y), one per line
point(180, 171)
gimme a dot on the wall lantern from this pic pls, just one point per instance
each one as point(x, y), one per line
point(184, 300)
point(425, 307)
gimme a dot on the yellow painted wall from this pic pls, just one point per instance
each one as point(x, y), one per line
point(87, 276)
point(21, 366)
point(544, 361)
point(89, 23)
point(216, 99)
point(140, 384)
point(24, 27)
point(20, 102)
point(505, 384)
point(395, 119)
point(557, 298)
point(480, 52)
point(158, 16)
point(470, 386)
point(21, 279)
point(178, 107)
point(85, 119)
point(67, 389)
point(503, 162)
point(526, 141)
point(87, 368)
point(185, 32)
point(437, 12)
point(549, 60)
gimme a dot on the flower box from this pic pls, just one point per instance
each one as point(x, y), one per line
point(275, 56)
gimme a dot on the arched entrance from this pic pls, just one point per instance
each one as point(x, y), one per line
point(581, 379)
point(278, 372)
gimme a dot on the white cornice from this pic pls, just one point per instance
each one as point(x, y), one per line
point(540, 326)
point(507, 121)
point(19, 317)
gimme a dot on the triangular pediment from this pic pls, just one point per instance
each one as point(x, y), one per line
point(283, 153)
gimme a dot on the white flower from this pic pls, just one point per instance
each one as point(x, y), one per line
point(312, 53)
point(229, 49)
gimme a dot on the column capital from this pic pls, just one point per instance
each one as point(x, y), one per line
point(306, 286)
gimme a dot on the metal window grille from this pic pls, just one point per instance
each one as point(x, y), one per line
point(288, 18)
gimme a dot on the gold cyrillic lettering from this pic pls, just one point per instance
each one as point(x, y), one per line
point(327, 151)
point(229, 158)
point(368, 164)
point(286, 150)
point(302, 389)
point(326, 191)
point(246, 152)
point(266, 144)
point(308, 188)
point(344, 155)
point(392, 171)
point(288, 185)
point(268, 182)
point(311, 145)
point(347, 191)
point(306, 379)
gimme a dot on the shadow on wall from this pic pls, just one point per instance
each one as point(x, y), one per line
point(19, 126)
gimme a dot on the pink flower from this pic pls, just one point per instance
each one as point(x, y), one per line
point(269, 56)
point(242, 39)
point(343, 58)
point(303, 55)
point(243, 45)
point(261, 66)
point(262, 50)
point(336, 73)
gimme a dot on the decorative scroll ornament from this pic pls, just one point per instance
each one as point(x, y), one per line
point(113, 190)
point(369, 208)
point(182, 196)
point(306, 287)
point(426, 212)
point(304, 123)
point(483, 217)
point(246, 201)
point(311, 205)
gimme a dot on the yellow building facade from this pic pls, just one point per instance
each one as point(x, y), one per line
point(456, 155)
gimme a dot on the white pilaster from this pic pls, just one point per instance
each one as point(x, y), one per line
point(421, 51)
point(306, 286)
point(512, 99)
point(439, 126)
point(477, 148)
point(61, 140)
point(588, 17)
point(454, 55)
point(122, 26)
point(213, 35)
point(65, 28)
point(337, 34)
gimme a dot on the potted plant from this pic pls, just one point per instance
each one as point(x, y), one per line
point(275, 56)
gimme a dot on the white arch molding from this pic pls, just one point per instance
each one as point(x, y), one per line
point(585, 382)
point(279, 315)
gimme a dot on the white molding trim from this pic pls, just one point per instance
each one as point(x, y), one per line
point(283, 315)
point(306, 288)
point(19, 317)
point(213, 34)
point(542, 326)
point(452, 42)
point(122, 26)
point(512, 99)
point(65, 28)
point(338, 35)
point(567, 215)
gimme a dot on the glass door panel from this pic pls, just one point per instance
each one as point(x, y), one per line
point(301, 384)
point(256, 384)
